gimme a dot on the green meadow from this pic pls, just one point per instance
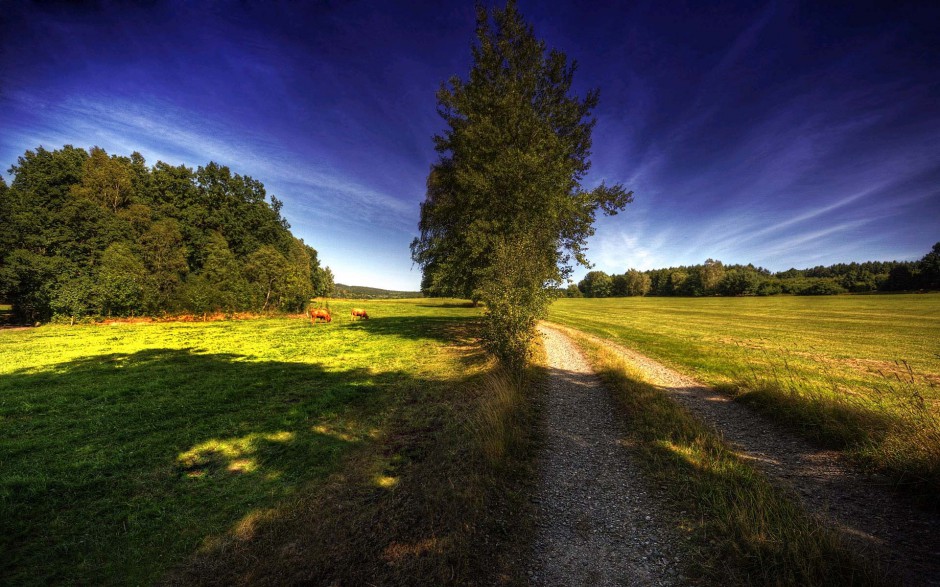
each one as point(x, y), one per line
point(135, 452)
point(857, 372)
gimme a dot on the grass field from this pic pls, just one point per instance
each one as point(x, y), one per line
point(189, 452)
point(856, 372)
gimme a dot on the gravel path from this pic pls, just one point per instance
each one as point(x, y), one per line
point(863, 507)
point(597, 521)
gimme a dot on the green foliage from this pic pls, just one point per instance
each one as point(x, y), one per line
point(224, 274)
point(930, 269)
point(596, 284)
point(200, 296)
point(821, 287)
point(72, 297)
point(105, 180)
point(266, 270)
point(298, 280)
point(573, 291)
point(739, 281)
point(165, 258)
point(512, 157)
point(710, 276)
point(514, 303)
point(676, 283)
point(636, 283)
point(321, 278)
point(87, 233)
point(769, 287)
point(900, 278)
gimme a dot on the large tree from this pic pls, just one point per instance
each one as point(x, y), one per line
point(505, 215)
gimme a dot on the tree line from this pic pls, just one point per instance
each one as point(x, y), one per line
point(713, 278)
point(85, 233)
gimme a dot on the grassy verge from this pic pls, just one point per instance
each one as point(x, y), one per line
point(262, 451)
point(747, 532)
point(858, 373)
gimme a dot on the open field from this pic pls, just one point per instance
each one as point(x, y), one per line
point(856, 372)
point(191, 451)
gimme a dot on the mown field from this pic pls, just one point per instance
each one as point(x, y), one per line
point(242, 450)
point(857, 372)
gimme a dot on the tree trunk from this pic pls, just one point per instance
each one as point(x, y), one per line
point(266, 299)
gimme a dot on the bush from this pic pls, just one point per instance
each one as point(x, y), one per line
point(769, 288)
point(516, 297)
point(596, 284)
point(739, 282)
point(822, 287)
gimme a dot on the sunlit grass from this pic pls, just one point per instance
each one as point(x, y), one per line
point(128, 449)
point(855, 372)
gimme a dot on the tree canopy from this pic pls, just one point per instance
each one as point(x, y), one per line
point(88, 233)
point(505, 215)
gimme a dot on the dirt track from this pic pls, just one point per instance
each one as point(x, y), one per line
point(864, 508)
point(597, 522)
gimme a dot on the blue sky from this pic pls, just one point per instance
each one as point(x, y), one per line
point(779, 133)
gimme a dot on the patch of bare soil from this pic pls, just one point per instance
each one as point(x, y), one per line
point(598, 522)
point(865, 508)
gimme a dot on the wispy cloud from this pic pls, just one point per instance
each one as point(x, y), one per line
point(163, 132)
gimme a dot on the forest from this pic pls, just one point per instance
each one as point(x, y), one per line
point(714, 278)
point(88, 234)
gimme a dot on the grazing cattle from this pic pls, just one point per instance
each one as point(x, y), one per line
point(317, 314)
point(357, 312)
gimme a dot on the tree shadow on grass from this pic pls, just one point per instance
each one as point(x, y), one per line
point(118, 466)
point(466, 304)
point(440, 328)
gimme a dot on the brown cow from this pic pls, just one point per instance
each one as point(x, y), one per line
point(360, 313)
point(317, 314)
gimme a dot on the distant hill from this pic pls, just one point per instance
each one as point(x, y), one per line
point(363, 292)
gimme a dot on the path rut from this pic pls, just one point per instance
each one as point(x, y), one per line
point(597, 522)
point(863, 507)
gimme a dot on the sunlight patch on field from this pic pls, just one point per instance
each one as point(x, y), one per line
point(238, 454)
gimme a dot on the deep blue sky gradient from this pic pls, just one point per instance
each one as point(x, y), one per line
point(783, 134)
